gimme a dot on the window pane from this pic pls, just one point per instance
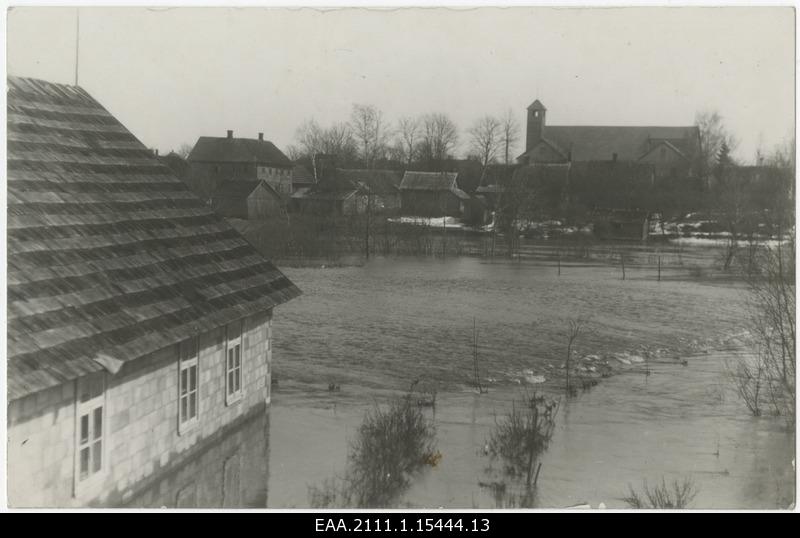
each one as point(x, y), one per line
point(97, 456)
point(230, 359)
point(183, 408)
point(192, 378)
point(237, 378)
point(98, 423)
point(230, 383)
point(237, 356)
point(192, 405)
point(84, 470)
point(84, 429)
point(184, 384)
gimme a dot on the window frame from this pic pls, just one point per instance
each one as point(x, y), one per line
point(89, 485)
point(231, 344)
point(186, 362)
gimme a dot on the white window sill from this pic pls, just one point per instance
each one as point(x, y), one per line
point(188, 426)
point(234, 399)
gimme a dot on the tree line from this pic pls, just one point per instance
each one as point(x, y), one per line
point(428, 141)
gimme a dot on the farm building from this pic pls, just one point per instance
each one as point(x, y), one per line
point(243, 199)
point(302, 178)
point(382, 186)
point(139, 322)
point(432, 194)
point(217, 159)
point(334, 194)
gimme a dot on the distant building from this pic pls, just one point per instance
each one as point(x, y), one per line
point(432, 194)
point(669, 151)
point(382, 186)
point(243, 199)
point(217, 159)
point(139, 322)
point(334, 194)
point(302, 178)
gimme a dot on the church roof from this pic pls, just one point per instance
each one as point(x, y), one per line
point(597, 143)
point(536, 105)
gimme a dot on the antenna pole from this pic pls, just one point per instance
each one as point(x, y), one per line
point(77, 41)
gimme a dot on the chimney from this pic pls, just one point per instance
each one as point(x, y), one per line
point(155, 152)
point(230, 134)
point(260, 137)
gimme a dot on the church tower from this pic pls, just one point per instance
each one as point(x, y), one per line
point(536, 115)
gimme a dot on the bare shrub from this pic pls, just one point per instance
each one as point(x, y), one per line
point(522, 435)
point(391, 446)
point(678, 494)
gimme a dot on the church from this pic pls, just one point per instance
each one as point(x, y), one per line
point(669, 151)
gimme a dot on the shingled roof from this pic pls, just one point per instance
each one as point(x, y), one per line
point(429, 181)
point(110, 256)
point(376, 180)
point(237, 150)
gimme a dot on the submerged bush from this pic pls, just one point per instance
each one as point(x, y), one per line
point(675, 496)
point(391, 446)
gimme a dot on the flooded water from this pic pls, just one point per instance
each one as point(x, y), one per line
point(375, 329)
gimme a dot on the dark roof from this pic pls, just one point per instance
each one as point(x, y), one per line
point(110, 256)
point(237, 150)
point(377, 181)
point(240, 189)
point(429, 181)
point(301, 174)
point(536, 105)
point(595, 143)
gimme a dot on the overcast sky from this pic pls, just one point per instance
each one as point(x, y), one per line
point(171, 75)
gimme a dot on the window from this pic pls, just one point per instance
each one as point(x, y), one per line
point(188, 406)
point(233, 363)
point(90, 428)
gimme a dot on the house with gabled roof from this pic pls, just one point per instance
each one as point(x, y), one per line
point(139, 321)
point(381, 186)
point(432, 194)
point(248, 199)
point(667, 150)
point(217, 159)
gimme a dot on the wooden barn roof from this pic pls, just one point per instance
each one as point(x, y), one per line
point(238, 150)
point(429, 181)
point(375, 180)
point(110, 256)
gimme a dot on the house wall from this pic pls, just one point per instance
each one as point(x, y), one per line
point(543, 153)
point(279, 179)
point(263, 204)
point(430, 203)
point(141, 436)
point(204, 177)
point(666, 162)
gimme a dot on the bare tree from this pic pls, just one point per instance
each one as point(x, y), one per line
point(184, 150)
point(485, 139)
point(713, 134)
point(371, 132)
point(439, 138)
point(408, 134)
point(336, 140)
point(574, 329)
point(509, 134)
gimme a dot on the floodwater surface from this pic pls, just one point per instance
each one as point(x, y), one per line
point(373, 330)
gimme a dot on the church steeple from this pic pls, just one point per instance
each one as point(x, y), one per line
point(536, 124)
